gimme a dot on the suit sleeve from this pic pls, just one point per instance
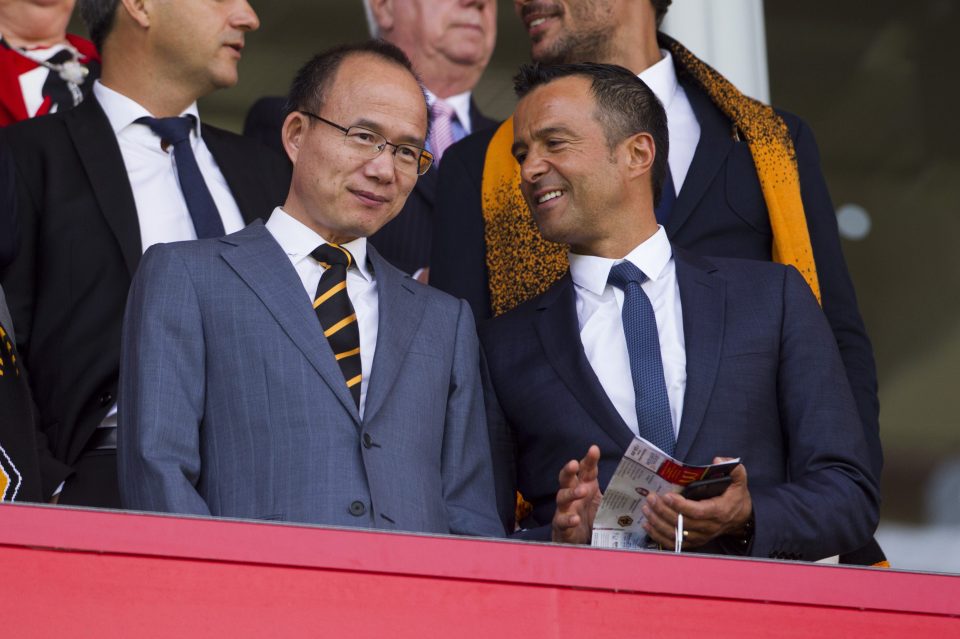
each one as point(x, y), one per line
point(19, 281)
point(458, 259)
point(161, 389)
point(830, 503)
point(466, 470)
point(837, 292)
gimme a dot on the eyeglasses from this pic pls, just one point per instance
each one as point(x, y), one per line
point(408, 158)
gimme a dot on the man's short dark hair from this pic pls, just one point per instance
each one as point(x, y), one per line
point(660, 7)
point(310, 85)
point(625, 106)
point(99, 16)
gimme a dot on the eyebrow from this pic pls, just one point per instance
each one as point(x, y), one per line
point(375, 127)
point(539, 134)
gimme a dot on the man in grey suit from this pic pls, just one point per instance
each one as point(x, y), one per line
point(287, 371)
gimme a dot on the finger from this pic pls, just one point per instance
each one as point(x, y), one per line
point(568, 474)
point(590, 464)
point(663, 526)
point(665, 541)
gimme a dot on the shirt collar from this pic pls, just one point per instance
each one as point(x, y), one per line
point(460, 104)
point(298, 240)
point(122, 111)
point(662, 79)
point(651, 257)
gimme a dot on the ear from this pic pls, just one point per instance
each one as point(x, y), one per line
point(292, 134)
point(139, 11)
point(641, 151)
point(382, 11)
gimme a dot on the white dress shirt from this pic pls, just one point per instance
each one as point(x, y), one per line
point(682, 125)
point(599, 307)
point(461, 106)
point(161, 207)
point(298, 241)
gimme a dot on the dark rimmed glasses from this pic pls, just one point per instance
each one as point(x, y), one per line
point(408, 158)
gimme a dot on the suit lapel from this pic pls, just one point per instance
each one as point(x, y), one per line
point(715, 143)
point(703, 298)
point(260, 262)
point(401, 308)
point(556, 324)
point(96, 144)
point(233, 164)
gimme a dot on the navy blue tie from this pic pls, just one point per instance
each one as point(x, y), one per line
point(668, 196)
point(203, 210)
point(646, 365)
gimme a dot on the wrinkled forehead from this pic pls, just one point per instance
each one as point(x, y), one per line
point(378, 92)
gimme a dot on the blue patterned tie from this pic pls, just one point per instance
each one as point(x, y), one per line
point(203, 210)
point(646, 366)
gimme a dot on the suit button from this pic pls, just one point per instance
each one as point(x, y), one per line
point(367, 440)
point(106, 398)
point(357, 508)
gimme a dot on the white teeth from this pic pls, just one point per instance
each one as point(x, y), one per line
point(546, 197)
point(537, 22)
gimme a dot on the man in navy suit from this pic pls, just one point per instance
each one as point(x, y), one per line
point(707, 357)
point(719, 207)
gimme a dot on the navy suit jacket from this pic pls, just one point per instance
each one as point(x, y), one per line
point(80, 248)
point(719, 211)
point(404, 241)
point(764, 382)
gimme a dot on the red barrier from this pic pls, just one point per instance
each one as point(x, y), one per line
point(73, 572)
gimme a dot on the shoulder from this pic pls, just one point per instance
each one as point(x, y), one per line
point(514, 325)
point(745, 280)
point(471, 150)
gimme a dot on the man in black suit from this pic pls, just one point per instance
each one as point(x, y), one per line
point(97, 185)
point(714, 203)
point(449, 43)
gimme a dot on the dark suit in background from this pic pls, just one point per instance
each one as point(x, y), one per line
point(406, 240)
point(80, 247)
point(764, 383)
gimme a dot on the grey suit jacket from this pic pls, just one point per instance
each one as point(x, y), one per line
point(231, 402)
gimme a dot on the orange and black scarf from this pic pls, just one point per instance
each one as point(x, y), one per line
point(521, 264)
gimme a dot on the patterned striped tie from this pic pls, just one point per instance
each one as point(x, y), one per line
point(441, 128)
point(336, 314)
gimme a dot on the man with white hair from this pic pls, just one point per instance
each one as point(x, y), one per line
point(449, 43)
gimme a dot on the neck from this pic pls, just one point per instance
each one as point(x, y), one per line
point(618, 244)
point(145, 85)
point(451, 81)
point(28, 25)
point(625, 48)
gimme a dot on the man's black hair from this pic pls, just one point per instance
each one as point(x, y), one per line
point(313, 80)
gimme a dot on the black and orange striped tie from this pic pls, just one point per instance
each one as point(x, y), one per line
point(336, 314)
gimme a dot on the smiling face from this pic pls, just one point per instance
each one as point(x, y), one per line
point(580, 191)
point(571, 30)
point(200, 41)
point(336, 192)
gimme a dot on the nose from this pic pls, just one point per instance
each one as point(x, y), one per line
point(381, 167)
point(532, 168)
point(245, 18)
